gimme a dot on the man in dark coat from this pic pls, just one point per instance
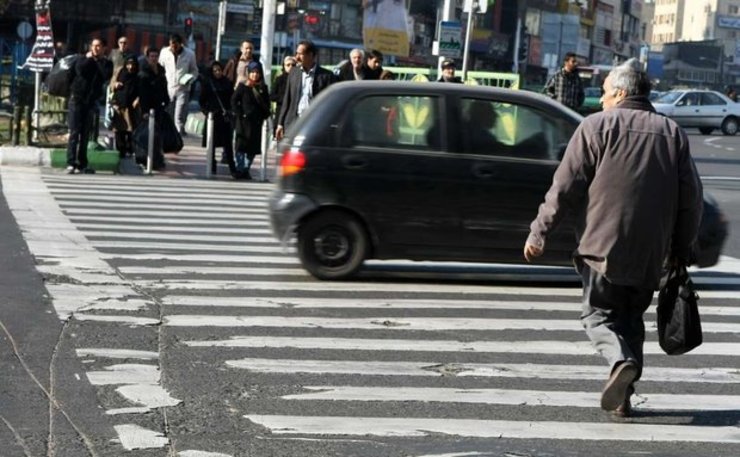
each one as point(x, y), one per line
point(152, 84)
point(448, 73)
point(91, 74)
point(297, 100)
point(628, 176)
point(215, 98)
point(277, 93)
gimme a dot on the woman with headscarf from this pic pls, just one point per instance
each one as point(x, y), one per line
point(125, 103)
point(251, 106)
point(281, 82)
point(215, 97)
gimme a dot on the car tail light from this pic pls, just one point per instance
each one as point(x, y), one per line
point(292, 162)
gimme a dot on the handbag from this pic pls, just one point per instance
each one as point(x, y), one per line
point(171, 139)
point(679, 326)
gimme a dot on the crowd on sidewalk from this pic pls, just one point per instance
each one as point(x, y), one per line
point(234, 94)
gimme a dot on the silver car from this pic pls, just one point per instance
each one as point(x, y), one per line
point(706, 110)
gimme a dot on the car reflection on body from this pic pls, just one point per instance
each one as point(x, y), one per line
point(706, 110)
point(445, 172)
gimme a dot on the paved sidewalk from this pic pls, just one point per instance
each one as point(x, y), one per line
point(189, 163)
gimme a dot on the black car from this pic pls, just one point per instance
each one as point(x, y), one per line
point(393, 170)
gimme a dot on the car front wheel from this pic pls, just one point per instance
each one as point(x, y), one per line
point(332, 245)
point(730, 126)
point(706, 130)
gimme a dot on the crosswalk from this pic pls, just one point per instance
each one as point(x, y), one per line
point(405, 352)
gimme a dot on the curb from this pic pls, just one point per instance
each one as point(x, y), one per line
point(31, 156)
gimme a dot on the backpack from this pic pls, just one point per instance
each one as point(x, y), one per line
point(59, 80)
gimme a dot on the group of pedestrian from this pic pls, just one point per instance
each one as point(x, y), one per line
point(136, 86)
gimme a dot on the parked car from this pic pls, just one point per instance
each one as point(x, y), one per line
point(706, 110)
point(443, 172)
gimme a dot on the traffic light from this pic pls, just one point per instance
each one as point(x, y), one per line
point(188, 26)
point(312, 20)
point(523, 45)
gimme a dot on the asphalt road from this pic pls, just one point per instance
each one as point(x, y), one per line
point(165, 321)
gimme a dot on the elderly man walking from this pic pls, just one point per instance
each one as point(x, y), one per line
point(181, 71)
point(628, 176)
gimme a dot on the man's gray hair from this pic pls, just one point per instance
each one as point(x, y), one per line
point(357, 50)
point(630, 77)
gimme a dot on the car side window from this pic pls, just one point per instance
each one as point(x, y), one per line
point(511, 130)
point(690, 99)
point(709, 98)
point(393, 121)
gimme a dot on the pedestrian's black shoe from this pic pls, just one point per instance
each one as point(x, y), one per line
point(71, 170)
point(87, 171)
point(619, 385)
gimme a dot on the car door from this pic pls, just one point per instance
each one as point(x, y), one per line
point(393, 169)
point(513, 150)
point(713, 110)
point(687, 110)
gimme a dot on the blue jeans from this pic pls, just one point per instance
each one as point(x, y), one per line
point(244, 161)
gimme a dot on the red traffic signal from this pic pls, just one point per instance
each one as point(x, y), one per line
point(312, 18)
point(188, 26)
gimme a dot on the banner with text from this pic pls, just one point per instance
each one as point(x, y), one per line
point(385, 26)
point(41, 58)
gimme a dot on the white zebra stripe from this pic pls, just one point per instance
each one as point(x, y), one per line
point(714, 375)
point(215, 258)
point(399, 345)
point(515, 397)
point(148, 192)
point(214, 216)
point(274, 249)
point(421, 427)
point(370, 303)
point(356, 286)
point(126, 228)
point(169, 208)
point(162, 222)
point(158, 202)
point(145, 235)
point(401, 323)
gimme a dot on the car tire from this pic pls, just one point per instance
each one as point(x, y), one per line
point(332, 245)
point(730, 126)
point(706, 130)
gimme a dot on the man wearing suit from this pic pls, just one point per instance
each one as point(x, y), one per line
point(304, 83)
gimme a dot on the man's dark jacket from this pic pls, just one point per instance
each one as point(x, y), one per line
point(90, 78)
point(322, 79)
point(629, 178)
point(152, 89)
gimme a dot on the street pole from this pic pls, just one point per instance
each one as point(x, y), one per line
point(448, 12)
point(269, 10)
point(468, 31)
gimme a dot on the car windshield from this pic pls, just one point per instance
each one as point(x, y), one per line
point(668, 97)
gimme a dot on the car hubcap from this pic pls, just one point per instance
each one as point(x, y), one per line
point(332, 246)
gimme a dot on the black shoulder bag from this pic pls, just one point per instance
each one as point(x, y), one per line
point(679, 326)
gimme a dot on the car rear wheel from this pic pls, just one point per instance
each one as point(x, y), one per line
point(706, 130)
point(332, 245)
point(729, 126)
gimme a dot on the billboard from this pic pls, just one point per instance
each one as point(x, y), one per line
point(385, 26)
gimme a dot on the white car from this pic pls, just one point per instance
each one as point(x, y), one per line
point(706, 110)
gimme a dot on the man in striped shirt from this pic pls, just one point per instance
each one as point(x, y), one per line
point(565, 86)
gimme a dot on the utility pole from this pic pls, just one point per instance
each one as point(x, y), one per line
point(269, 10)
point(448, 14)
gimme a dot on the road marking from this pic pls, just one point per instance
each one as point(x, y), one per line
point(400, 323)
point(110, 353)
point(365, 304)
point(514, 397)
point(379, 286)
point(714, 375)
point(133, 437)
point(422, 427)
point(214, 215)
point(206, 270)
point(128, 228)
point(407, 345)
point(160, 246)
point(145, 235)
point(147, 192)
point(164, 221)
point(215, 258)
point(160, 202)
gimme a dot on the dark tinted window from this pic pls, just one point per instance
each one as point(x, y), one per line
point(511, 130)
point(708, 98)
point(394, 121)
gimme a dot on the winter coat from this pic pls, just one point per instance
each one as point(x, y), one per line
point(126, 114)
point(90, 78)
point(215, 97)
point(251, 106)
point(152, 89)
